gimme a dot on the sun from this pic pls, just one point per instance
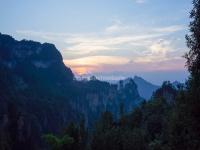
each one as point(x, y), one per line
point(80, 70)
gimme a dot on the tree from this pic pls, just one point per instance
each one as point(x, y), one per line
point(185, 121)
point(93, 78)
point(103, 133)
point(56, 143)
point(136, 118)
point(82, 135)
point(105, 122)
point(74, 137)
point(122, 118)
point(193, 42)
point(134, 139)
point(73, 131)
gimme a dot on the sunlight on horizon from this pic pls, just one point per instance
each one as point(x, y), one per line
point(121, 36)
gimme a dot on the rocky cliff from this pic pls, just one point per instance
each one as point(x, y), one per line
point(39, 94)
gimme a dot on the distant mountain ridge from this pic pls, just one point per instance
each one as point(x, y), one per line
point(145, 88)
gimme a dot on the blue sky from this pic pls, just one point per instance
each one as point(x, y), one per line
point(110, 38)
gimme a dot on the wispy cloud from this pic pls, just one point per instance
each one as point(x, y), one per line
point(97, 60)
point(170, 29)
point(117, 45)
point(140, 1)
point(93, 63)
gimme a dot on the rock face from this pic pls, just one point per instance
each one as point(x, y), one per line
point(32, 82)
point(38, 94)
point(128, 92)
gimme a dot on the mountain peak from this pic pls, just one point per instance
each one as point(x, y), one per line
point(35, 59)
point(145, 88)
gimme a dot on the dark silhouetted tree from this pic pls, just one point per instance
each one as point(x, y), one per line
point(193, 41)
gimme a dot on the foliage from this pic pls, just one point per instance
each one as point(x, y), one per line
point(73, 138)
point(140, 130)
point(193, 41)
point(58, 143)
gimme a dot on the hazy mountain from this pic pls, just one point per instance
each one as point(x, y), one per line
point(145, 88)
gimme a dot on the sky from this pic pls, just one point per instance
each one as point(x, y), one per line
point(111, 39)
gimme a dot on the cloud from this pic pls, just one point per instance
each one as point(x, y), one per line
point(140, 1)
point(160, 47)
point(115, 37)
point(85, 43)
point(92, 63)
point(97, 60)
point(118, 26)
point(117, 45)
point(130, 67)
point(170, 29)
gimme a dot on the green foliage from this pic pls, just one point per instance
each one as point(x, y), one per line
point(56, 143)
point(73, 138)
point(78, 133)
